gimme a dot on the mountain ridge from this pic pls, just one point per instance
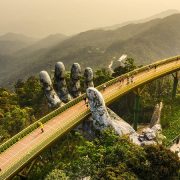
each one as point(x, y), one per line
point(144, 42)
point(156, 16)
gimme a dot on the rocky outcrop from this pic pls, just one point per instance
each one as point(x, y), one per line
point(153, 134)
point(88, 78)
point(59, 77)
point(52, 98)
point(149, 136)
point(75, 80)
point(176, 147)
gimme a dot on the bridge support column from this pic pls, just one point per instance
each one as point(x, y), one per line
point(175, 84)
point(24, 173)
point(136, 111)
point(137, 93)
point(51, 152)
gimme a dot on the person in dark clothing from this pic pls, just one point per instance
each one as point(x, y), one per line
point(85, 99)
point(127, 80)
point(132, 79)
point(155, 67)
point(122, 81)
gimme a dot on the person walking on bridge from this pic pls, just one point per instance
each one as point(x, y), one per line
point(41, 126)
point(104, 87)
point(127, 80)
point(149, 67)
point(155, 67)
point(132, 79)
point(85, 99)
point(121, 80)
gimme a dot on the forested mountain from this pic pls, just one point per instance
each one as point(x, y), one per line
point(145, 42)
point(159, 41)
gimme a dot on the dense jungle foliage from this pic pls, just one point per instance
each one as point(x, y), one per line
point(107, 157)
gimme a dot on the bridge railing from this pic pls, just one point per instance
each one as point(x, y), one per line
point(136, 71)
point(54, 113)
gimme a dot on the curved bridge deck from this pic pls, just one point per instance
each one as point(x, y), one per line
point(22, 148)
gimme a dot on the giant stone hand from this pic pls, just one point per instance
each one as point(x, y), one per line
point(75, 80)
point(59, 77)
point(52, 98)
point(88, 78)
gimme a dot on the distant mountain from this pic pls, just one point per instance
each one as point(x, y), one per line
point(145, 42)
point(46, 43)
point(157, 16)
point(12, 42)
point(17, 37)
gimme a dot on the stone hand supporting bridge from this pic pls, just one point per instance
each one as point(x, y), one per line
point(30, 142)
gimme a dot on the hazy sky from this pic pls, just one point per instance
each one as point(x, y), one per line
point(42, 17)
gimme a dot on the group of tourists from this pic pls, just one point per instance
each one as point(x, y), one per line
point(129, 80)
point(151, 66)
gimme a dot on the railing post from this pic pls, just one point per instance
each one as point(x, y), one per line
point(175, 84)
